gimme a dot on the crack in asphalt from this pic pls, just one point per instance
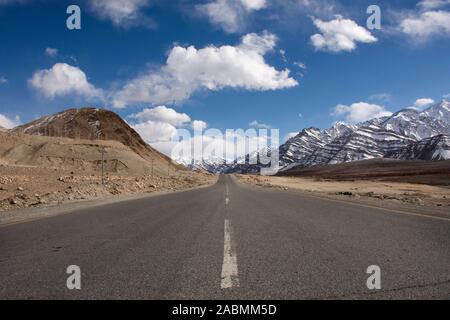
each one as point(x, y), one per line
point(374, 292)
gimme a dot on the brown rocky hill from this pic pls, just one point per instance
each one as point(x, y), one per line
point(82, 154)
point(91, 124)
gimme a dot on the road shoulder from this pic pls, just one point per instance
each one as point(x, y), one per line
point(388, 205)
point(23, 215)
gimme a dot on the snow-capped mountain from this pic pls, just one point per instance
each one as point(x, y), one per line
point(434, 148)
point(246, 164)
point(305, 144)
point(302, 146)
point(420, 125)
point(439, 112)
point(211, 164)
point(408, 135)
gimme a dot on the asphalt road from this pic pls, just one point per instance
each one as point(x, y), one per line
point(227, 241)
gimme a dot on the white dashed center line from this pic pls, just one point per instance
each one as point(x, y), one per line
point(227, 198)
point(230, 278)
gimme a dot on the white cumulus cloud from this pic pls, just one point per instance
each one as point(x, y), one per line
point(230, 15)
point(427, 24)
point(290, 135)
point(215, 144)
point(423, 102)
point(433, 4)
point(162, 114)
point(359, 112)
point(63, 79)
point(254, 4)
point(340, 35)
point(199, 125)
point(162, 128)
point(9, 123)
point(188, 70)
point(122, 13)
point(257, 125)
point(152, 131)
point(160, 124)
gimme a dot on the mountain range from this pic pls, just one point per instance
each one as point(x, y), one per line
point(408, 134)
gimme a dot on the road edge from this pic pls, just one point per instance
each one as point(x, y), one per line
point(23, 215)
point(318, 195)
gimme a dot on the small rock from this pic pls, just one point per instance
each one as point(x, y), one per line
point(416, 201)
point(12, 201)
point(20, 189)
point(21, 196)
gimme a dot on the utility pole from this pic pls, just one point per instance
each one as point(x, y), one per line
point(103, 167)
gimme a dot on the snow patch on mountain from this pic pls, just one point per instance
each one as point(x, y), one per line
point(407, 134)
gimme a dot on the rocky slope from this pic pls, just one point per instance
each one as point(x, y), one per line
point(91, 124)
point(82, 154)
point(434, 148)
point(406, 135)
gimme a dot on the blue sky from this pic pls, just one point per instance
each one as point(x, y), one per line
point(299, 60)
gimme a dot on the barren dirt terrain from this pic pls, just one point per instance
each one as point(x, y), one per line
point(39, 171)
point(410, 171)
point(379, 193)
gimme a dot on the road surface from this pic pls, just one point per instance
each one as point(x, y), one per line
point(227, 241)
